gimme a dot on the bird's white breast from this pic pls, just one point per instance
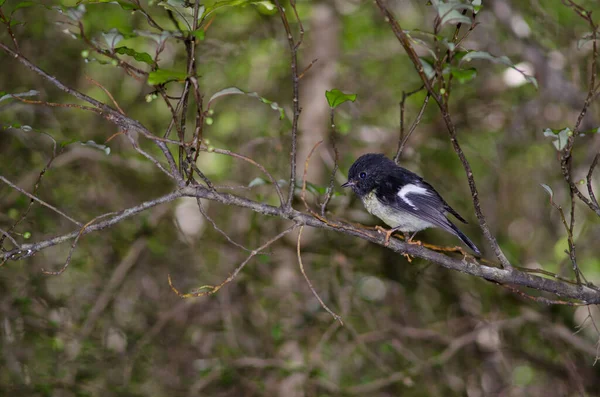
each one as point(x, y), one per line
point(404, 221)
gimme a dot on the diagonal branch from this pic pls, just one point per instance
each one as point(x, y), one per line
point(405, 41)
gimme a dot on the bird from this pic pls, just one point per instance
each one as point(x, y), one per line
point(401, 198)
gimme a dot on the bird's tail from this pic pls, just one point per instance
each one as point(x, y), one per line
point(464, 238)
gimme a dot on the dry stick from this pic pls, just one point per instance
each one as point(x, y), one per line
point(295, 95)
point(566, 154)
point(45, 204)
point(584, 293)
point(403, 139)
point(35, 189)
point(589, 179)
point(10, 238)
point(72, 249)
point(27, 250)
point(217, 228)
point(329, 192)
point(9, 29)
point(249, 160)
point(335, 316)
point(91, 80)
point(404, 40)
point(123, 122)
point(214, 288)
point(541, 298)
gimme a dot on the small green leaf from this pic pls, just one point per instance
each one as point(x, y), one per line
point(162, 76)
point(5, 95)
point(199, 34)
point(138, 56)
point(265, 7)
point(2, 2)
point(27, 235)
point(427, 68)
point(74, 13)
point(476, 6)
point(451, 11)
point(336, 97)
point(548, 189)
point(112, 37)
point(463, 75)
point(236, 91)
point(98, 146)
point(587, 38)
point(23, 4)
point(257, 182)
point(561, 137)
point(504, 60)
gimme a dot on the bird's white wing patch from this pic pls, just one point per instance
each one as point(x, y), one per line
point(412, 189)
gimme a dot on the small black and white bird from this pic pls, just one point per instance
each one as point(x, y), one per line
point(401, 198)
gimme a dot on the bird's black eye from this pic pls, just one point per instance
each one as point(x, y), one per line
point(362, 175)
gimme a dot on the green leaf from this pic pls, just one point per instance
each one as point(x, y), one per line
point(5, 95)
point(23, 4)
point(2, 2)
point(561, 137)
point(182, 9)
point(237, 91)
point(138, 56)
point(162, 76)
point(504, 60)
point(263, 6)
point(451, 11)
point(74, 13)
point(587, 38)
point(199, 34)
point(98, 146)
point(427, 68)
point(463, 75)
point(336, 97)
point(476, 6)
point(127, 6)
point(548, 190)
point(112, 37)
point(257, 182)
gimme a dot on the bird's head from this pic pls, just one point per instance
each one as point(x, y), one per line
point(367, 172)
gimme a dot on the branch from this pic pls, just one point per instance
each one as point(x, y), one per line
point(295, 94)
point(584, 293)
point(405, 41)
point(42, 202)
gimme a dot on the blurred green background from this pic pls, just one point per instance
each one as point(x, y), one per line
point(111, 326)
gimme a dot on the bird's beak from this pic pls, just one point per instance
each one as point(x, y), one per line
point(348, 184)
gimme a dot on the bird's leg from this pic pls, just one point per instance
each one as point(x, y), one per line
point(409, 240)
point(388, 234)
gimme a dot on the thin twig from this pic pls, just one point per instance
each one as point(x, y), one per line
point(42, 202)
point(589, 179)
point(97, 84)
point(330, 187)
point(217, 228)
point(249, 160)
point(405, 42)
point(211, 289)
point(403, 139)
point(295, 95)
point(323, 305)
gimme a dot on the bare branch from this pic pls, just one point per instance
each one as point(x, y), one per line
point(212, 289)
point(323, 305)
point(405, 41)
point(295, 94)
point(42, 202)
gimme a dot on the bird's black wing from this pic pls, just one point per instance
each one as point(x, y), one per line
point(408, 193)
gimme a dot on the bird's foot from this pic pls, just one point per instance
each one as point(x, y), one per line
point(388, 234)
point(408, 257)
